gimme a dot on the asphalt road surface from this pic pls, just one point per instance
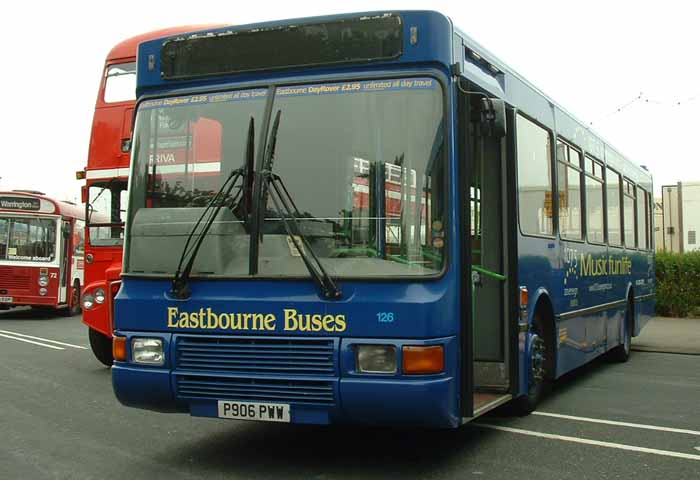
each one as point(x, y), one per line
point(59, 420)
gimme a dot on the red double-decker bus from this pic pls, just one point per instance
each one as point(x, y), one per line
point(41, 252)
point(105, 191)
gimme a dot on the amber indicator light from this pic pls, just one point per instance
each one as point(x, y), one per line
point(119, 349)
point(422, 360)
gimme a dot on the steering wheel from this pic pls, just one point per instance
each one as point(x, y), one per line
point(198, 201)
point(353, 251)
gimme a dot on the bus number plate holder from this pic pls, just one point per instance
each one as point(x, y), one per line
point(263, 412)
point(5, 299)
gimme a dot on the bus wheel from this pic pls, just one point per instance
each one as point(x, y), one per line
point(101, 347)
point(621, 353)
point(74, 303)
point(538, 375)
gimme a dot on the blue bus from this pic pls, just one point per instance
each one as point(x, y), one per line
point(366, 218)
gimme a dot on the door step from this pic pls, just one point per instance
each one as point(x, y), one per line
point(485, 402)
point(491, 376)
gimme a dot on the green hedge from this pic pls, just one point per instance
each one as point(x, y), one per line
point(677, 283)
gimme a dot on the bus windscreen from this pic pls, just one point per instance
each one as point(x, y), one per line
point(27, 239)
point(367, 184)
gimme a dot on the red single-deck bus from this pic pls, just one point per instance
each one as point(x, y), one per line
point(41, 252)
point(105, 191)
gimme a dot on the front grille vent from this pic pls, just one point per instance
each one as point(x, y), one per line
point(12, 280)
point(297, 391)
point(271, 356)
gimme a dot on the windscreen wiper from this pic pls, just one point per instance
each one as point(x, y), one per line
point(180, 288)
point(90, 208)
point(288, 212)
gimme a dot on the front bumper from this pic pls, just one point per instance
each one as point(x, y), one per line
point(341, 396)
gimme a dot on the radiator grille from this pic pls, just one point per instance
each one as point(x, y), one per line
point(257, 389)
point(273, 356)
point(11, 279)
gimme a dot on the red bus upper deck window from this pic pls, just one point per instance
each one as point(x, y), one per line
point(120, 83)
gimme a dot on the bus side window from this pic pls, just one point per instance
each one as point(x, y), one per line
point(570, 192)
point(4, 231)
point(642, 219)
point(650, 220)
point(629, 200)
point(613, 186)
point(594, 200)
point(78, 237)
point(534, 178)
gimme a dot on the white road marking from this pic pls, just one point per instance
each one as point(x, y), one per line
point(30, 341)
point(620, 424)
point(43, 339)
point(598, 443)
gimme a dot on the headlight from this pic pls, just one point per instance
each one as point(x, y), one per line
point(43, 291)
point(147, 350)
point(376, 358)
point(43, 281)
point(100, 296)
point(88, 301)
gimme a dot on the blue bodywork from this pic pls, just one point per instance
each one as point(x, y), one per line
point(425, 312)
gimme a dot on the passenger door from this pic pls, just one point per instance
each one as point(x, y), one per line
point(484, 237)
point(66, 234)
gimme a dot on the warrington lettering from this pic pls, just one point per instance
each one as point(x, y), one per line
point(294, 321)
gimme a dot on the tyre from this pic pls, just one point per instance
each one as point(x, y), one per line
point(621, 353)
point(74, 303)
point(540, 372)
point(101, 347)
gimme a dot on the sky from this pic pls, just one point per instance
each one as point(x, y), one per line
point(632, 69)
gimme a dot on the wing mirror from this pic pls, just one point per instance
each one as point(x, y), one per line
point(493, 117)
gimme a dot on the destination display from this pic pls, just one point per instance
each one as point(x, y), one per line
point(363, 39)
point(20, 203)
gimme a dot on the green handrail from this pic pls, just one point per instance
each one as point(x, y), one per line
point(488, 273)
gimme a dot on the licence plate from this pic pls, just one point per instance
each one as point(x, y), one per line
point(5, 299)
point(264, 412)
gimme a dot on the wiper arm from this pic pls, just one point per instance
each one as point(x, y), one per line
point(288, 212)
point(180, 288)
point(90, 208)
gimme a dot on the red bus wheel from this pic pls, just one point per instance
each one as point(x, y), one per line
point(101, 347)
point(74, 302)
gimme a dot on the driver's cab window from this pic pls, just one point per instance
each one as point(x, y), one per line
point(107, 212)
point(187, 157)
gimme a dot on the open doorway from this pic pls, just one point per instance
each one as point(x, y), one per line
point(488, 244)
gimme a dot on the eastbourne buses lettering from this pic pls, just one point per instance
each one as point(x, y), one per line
point(20, 203)
point(294, 321)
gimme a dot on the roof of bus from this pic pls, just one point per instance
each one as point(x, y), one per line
point(540, 106)
point(509, 85)
point(61, 207)
point(127, 48)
